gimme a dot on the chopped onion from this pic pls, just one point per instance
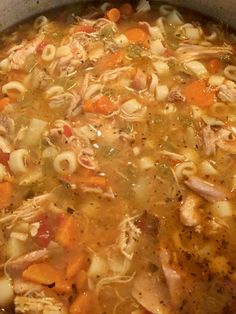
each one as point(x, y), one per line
point(175, 18)
point(157, 48)
point(143, 6)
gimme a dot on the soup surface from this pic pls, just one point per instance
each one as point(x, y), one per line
point(117, 163)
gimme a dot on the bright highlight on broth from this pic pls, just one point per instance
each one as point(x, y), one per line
point(118, 162)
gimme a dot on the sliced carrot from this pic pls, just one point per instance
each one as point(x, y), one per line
point(136, 35)
point(82, 304)
point(89, 106)
point(46, 274)
point(76, 263)
point(126, 9)
point(81, 281)
point(199, 94)
point(85, 28)
point(113, 15)
point(103, 105)
point(94, 181)
point(66, 234)
point(214, 66)
point(4, 102)
point(110, 60)
point(5, 194)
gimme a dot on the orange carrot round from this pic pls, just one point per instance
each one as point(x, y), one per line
point(126, 9)
point(113, 15)
point(5, 194)
point(136, 35)
point(214, 66)
point(110, 60)
point(199, 94)
point(4, 102)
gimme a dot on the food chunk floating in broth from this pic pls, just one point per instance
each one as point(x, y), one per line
point(118, 162)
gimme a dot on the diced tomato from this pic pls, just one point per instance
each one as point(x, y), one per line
point(67, 131)
point(45, 234)
point(41, 46)
point(4, 157)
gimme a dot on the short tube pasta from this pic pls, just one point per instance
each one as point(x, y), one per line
point(18, 161)
point(14, 86)
point(230, 72)
point(65, 163)
point(49, 53)
point(40, 22)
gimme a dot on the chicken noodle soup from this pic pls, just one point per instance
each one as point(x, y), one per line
point(118, 163)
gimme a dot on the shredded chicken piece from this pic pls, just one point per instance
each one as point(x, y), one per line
point(47, 305)
point(7, 125)
point(86, 159)
point(19, 54)
point(189, 213)
point(209, 191)
point(129, 236)
point(22, 287)
point(209, 140)
point(175, 95)
point(25, 260)
point(186, 53)
point(140, 80)
point(27, 211)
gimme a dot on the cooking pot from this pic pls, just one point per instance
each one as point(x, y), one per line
point(14, 11)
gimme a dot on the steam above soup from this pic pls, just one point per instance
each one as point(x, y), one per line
point(117, 163)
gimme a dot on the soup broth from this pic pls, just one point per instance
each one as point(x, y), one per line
point(117, 162)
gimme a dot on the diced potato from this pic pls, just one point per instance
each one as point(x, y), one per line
point(146, 163)
point(7, 293)
point(207, 168)
point(91, 209)
point(219, 264)
point(15, 248)
point(223, 209)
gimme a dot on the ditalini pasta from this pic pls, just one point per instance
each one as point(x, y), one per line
point(118, 162)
